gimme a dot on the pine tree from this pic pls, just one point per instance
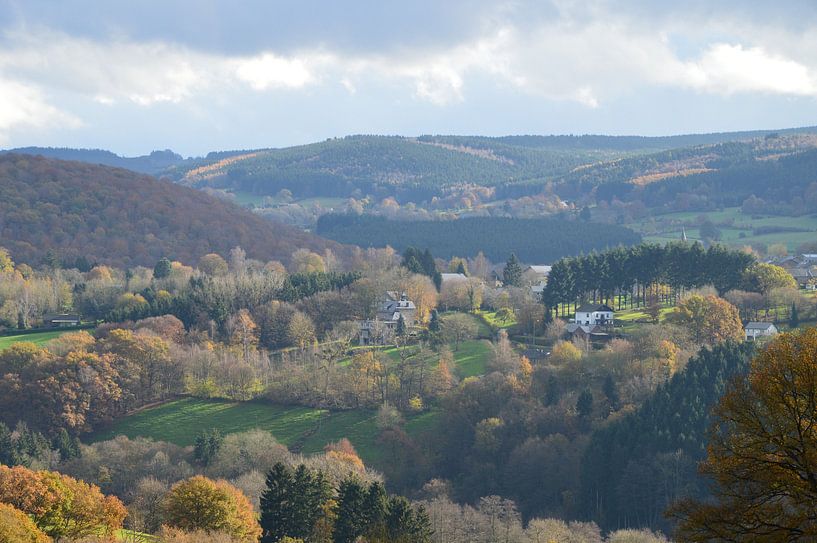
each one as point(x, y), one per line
point(512, 274)
point(401, 326)
point(351, 516)
point(375, 507)
point(308, 494)
point(276, 505)
point(162, 268)
point(434, 325)
point(794, 317)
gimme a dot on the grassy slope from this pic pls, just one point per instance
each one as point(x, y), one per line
point(302, 428)
point(667, 227)
point(38, 338)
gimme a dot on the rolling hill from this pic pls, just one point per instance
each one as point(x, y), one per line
point(154, 163)
point(54, 208)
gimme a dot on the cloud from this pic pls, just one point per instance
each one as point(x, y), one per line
point(23, 106)
point(268, 71)
point(728, 69)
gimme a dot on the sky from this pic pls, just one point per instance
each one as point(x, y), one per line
point(204, 75)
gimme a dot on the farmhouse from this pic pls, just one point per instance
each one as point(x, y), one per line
point(599, 314)
point(804, 276)
point(536, 278)
point(755, 330)
point(61, 320)
point(586, 332)
point(384, 325)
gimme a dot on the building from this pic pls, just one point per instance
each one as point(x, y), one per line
point(536, 278)
point(452, 278)
point(599, 314)
point(805, 277)
point(382, 328)
point(756, 330)
point(61, 321)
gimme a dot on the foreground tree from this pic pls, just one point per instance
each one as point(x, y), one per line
point(17, 527)
point(763, 452)
point(200, 503)
point(709, 318)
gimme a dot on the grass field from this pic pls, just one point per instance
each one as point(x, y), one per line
point(738, 231)
point(303, 429)
point(469, 360)
point(37, 338)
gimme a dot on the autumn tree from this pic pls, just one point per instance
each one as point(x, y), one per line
point(200, 503)
point(213, 264)
point(6, 263)
point(710, 319)
point(59, 505)
point(762, 278)
point(17, 527)
point(761, 452)
point(458, 328)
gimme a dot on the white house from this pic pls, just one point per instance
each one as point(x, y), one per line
point(755, 330)
point(600, 314)
point(452, 278)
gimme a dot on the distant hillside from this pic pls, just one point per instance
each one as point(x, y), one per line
point(416, 169)
point(154, 163)
point(116, 216)
point(533, 240)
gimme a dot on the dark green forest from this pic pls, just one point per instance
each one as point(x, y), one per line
point(635, 467)
point(533, 240)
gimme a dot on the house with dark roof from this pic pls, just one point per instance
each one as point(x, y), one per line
point(384, 325)
point(61, 321)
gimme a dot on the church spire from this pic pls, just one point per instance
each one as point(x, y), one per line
point(683, 234)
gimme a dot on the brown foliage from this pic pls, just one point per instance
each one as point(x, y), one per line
point(121, 218)
point(763, 452)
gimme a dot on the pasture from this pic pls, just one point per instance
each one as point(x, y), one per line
point(37, 338)
point(302, 429)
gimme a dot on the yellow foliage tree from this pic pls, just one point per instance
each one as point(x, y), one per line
point(710, 319)
point(762, 453)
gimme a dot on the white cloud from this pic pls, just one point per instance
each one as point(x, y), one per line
point(23, 106)
point(268, 71)
point(729, 69)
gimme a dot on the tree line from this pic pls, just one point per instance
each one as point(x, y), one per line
point(632, 274)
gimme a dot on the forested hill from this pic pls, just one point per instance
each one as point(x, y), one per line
point(115, 216)
point(533, 240)
point(418, 168)
point(154, 163)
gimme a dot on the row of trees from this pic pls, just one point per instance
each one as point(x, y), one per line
point(634, 273)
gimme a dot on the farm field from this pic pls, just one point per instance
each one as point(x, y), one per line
point(37, 338)
point(668, 227)
point(302, 429)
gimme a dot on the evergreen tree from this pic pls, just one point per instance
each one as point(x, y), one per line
point(162, 268)
point(351, 516)
point(276, 505)
point(611, 391)
point(461, 268)
point(512, 274)
point(207, 446)
point(404, 524)
point(66, 445)
point(308, 494)
point(375, 507)
point(548, 318)
point(434, 325)
point(401, 326)
point(794, 317)
point(584, 405)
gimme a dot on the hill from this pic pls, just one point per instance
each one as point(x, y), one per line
point(419, 168)
point(154, 163)
point(533, 240)
point(114, 216)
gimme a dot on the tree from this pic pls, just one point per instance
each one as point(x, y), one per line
point(401, 326)
point(794, 317)
point(512, 274)
point(761, 452)
point(17, 527)
point(200, 503)
point(276, 515)
point(709, 318)
point(207, 445)
point(351, 516)
point(6, 263)
point(459, 327)
point(709, 231)
point(584, 405)
point(213, 264)
point(763, 278)
point(434, 323)
point(60, 506)
point(162, 268)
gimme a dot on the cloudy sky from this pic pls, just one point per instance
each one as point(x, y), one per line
point(201, 75)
